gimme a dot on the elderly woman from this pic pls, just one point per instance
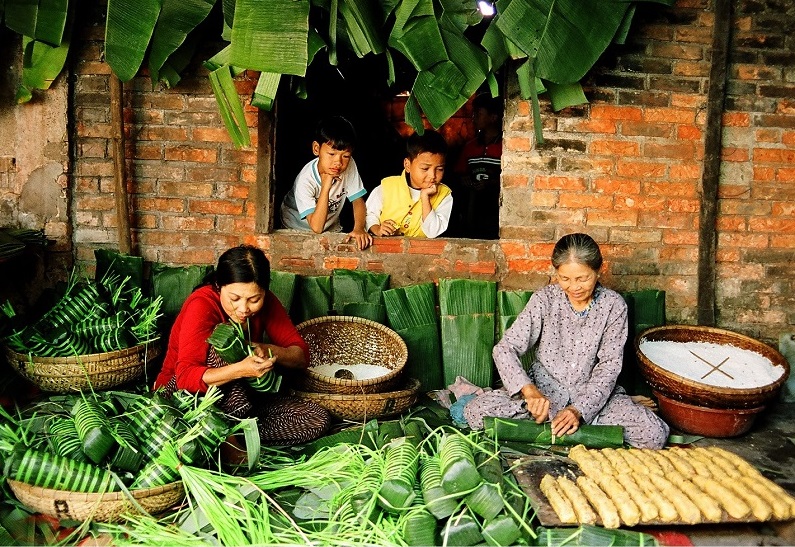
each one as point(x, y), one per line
point(238, 292)
point(578, 329)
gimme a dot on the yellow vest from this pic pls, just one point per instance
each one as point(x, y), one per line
point(398, 206)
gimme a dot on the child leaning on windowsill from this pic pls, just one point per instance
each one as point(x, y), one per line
point(414, 203)
point(320, 189)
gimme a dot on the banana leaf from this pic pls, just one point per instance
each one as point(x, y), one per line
point(461, 13)
point(314, 298)
point(177, 19)
point(412, 314)
point(229, 105)
point(416, 34)
point(509, 305)
point(362, 26)
point(128, 32)
point(646, 309)
point(265, 92)
point(467, 310)
point(529, 432)
point(357, 292)
point(283, 286)
point(592, 536)
point(41, 64)
point(169, 73)
point(42, 20)
point(564, 95)
point(175, 283)
point(271, 36)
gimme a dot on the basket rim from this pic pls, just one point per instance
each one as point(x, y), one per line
point(769, 352)
point(410, 387)
point(354, 319)
point(53, 493)
point(85, 358)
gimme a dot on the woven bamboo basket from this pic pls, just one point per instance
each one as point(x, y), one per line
point(690, 391)
point(107, 507)
point(365, 406)
point(347, 340)
point(97, 370)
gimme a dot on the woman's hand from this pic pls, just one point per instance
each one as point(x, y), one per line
point(535, 402)
point(256, 366)
point(566, 422)
point(290, 357)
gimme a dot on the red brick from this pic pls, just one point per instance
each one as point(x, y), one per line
point(727, 255)
point(745, 241)
point(518, 144)
point(684, 205)
point(540, 198)
point(479, 267)
point(185, 189)
point(661, 219)
point(772, 136)
point(189, 153)
point(388, 245)
point(615, 185)
point(764, 174)
point(148, 152)
point(513, 249)
point(613, 218)
point(688, 132)
point(614, 148)
point(681, 151)
point(774, 155)
point(189, 256)
point(669, 115)
point(756, 72)
point(736, 119)
point(731, 154)
point(590, 201)
point(646, 129)
point(341, 262)
point(211, 134)
point(211, 174)
point(779, 225)
point(667, 188)
point(193, 224)
point(427, 246)
point(200, 239)
point(671, 50)
point(786, 174)
point(510, 180)
point(293, 263)
point(788, 138)
point(692, 34)
point(95, 203)
point(782, 241)
point(681, 237)
point(102, 131)
point(691, 69)
point(640, 169)
point(248, 175)
point(640, 203)
point(610, 112)
point(215, 207)
point(544, 182)
point(162, 134)
point(150, 203)
point(586, 125)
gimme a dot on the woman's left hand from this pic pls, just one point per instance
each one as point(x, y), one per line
point(566, 422)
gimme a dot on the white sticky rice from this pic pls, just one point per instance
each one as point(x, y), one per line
point(719, 365)
point(360, 371)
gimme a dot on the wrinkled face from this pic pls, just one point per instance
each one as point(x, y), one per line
point(242, 300)
point(424, 170)
point(330, 160)
point(578, 281)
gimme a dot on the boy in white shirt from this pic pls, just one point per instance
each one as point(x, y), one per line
point(414, 203)
point(320, 189)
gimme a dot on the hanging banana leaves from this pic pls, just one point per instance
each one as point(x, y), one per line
point(509, 305)
point(229, 105)
point(43, 61)
point(128, 31)
point(283, 286)
point(177, 19)
point(42, 20)
point(314, 297)
point(416, 34)
point(362, 26)
point(271, 36)
point(359, 293)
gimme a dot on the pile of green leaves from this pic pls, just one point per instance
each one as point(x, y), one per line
point(96, 442)
point(89, 317)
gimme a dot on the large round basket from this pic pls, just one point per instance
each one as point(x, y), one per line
point(107, 507)
point(96, 370)
point(365, 406)
point(346, 340)
point(690, 391)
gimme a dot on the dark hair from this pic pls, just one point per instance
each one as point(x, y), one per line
point(492, 105)
point(579, 249)
point(243, 264)
point(337, 132)
point(430, 141)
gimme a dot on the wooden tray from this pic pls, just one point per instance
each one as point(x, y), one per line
point(529, 470)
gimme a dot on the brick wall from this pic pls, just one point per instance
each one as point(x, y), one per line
point(626, 168)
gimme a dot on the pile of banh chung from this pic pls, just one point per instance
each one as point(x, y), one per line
point(671, 486)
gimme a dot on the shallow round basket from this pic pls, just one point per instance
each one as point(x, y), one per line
point(366, 406)
point(709, 422)
point(107, 507)
point(96, 370)
point(345, 340)
point(690, 391)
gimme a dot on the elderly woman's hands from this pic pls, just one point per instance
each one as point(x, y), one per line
point(566, 422)
point(256, 366)
point(535, 402)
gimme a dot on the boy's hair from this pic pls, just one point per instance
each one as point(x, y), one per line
point(430, 141)
point(492, 105)
point(337, 132)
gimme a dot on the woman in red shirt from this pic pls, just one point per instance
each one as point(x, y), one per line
point(238, 292)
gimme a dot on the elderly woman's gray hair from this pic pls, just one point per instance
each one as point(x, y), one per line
point(579, 249)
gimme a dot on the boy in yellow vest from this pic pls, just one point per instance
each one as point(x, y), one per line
point(414, 203)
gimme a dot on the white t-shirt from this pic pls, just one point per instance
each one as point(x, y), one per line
point(301, 200)
point(434, 224)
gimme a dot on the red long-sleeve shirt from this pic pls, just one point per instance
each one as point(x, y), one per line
point(186, 356)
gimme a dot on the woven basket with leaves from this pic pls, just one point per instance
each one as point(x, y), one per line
point(366, 406)
point(107, 507)
point(96, 371)
point(347, 340)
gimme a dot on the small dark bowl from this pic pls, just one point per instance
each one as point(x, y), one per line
point(709, 422)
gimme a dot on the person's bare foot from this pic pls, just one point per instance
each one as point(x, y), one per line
point(642, 400)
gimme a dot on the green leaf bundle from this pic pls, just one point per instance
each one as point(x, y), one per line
point(527, 431)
